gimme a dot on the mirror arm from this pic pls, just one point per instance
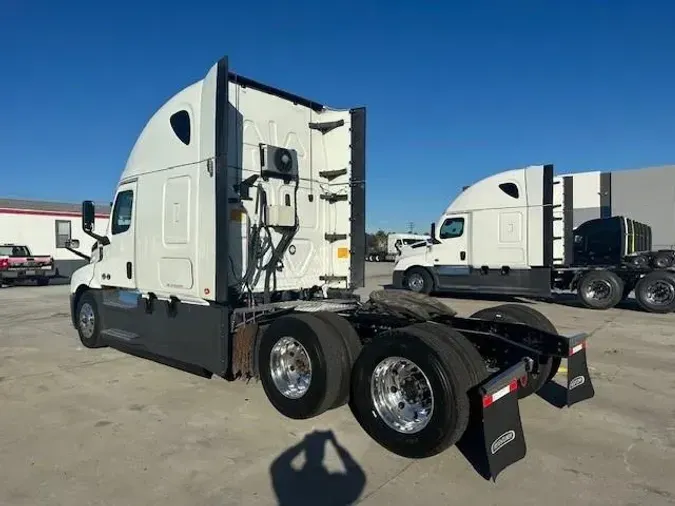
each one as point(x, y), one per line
point(81, 255)
point(102, 239)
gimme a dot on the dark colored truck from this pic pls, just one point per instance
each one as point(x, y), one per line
point(17, 263)
point(612, 257)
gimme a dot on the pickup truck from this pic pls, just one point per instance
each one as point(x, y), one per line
point(17, 263)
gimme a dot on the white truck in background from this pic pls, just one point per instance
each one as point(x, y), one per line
point(396, 242)
point(511, 234)
point(234, 250)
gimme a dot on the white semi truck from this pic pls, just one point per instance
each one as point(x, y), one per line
point(511, 234)
point(395, 244)
point(236, 240)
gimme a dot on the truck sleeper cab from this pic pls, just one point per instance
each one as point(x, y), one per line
point(507, 234)
point(495, 237)
point(233, 249)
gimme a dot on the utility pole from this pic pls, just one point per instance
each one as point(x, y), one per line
point(411, 227)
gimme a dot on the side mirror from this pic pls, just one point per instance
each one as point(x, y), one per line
point(73, 243)
point(433, 231)
point(88, 215)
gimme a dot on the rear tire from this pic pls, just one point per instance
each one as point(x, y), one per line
point(600, 289)
point(547, 367)
point(411, 304)
point(419, 280)
point(301, 362)
point(387, 411)
point(640, 261)
point(469, 358)
point(655, 292)
point(663, 260)
point(350, 339)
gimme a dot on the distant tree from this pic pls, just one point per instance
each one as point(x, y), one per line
point(378, 240)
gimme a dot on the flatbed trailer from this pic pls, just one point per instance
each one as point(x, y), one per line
point(415, 375)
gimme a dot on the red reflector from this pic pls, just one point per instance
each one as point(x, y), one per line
point(577, 348)
point(511, 387)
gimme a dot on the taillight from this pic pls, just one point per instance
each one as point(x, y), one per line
point(4, 264)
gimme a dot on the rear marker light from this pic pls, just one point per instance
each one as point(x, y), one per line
point(489, 399)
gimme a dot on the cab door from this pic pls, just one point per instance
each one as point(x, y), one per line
point(117, 267)
point(451, 257)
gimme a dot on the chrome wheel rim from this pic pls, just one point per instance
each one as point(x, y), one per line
point(415, 282)
point(660, 293)
point(598, 290)
point(290, 367)
point(402, 395)
point(87, 320)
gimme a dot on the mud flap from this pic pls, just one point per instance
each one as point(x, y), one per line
point(579, 384)
point(503, 437)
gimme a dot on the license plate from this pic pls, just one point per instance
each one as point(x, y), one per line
point(30, 273)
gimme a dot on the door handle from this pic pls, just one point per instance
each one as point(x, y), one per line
point(462, 255)
point(128, 270)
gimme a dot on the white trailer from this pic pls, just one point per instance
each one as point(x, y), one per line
point(512, 233)
point(233, 249)
point(46, 228)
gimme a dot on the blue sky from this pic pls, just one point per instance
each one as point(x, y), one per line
point(455, 90)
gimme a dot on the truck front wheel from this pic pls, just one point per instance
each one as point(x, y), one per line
point(408, 392)
point(88, 326)
point(418, 279)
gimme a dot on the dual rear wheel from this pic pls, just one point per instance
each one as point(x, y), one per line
point(603, 289)
point(304, 362)
point(408, 388)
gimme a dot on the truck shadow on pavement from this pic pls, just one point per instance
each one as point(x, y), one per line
point(309, 482)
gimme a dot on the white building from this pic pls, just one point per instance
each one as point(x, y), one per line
point(46, 226)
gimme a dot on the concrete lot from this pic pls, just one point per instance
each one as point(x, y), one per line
point(84, 426)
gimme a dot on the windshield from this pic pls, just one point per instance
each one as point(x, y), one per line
point(14, 251)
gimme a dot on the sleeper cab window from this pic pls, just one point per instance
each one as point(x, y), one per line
point(451, 228)
point(121, 219)
point(180, 124)
point(511, 189)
